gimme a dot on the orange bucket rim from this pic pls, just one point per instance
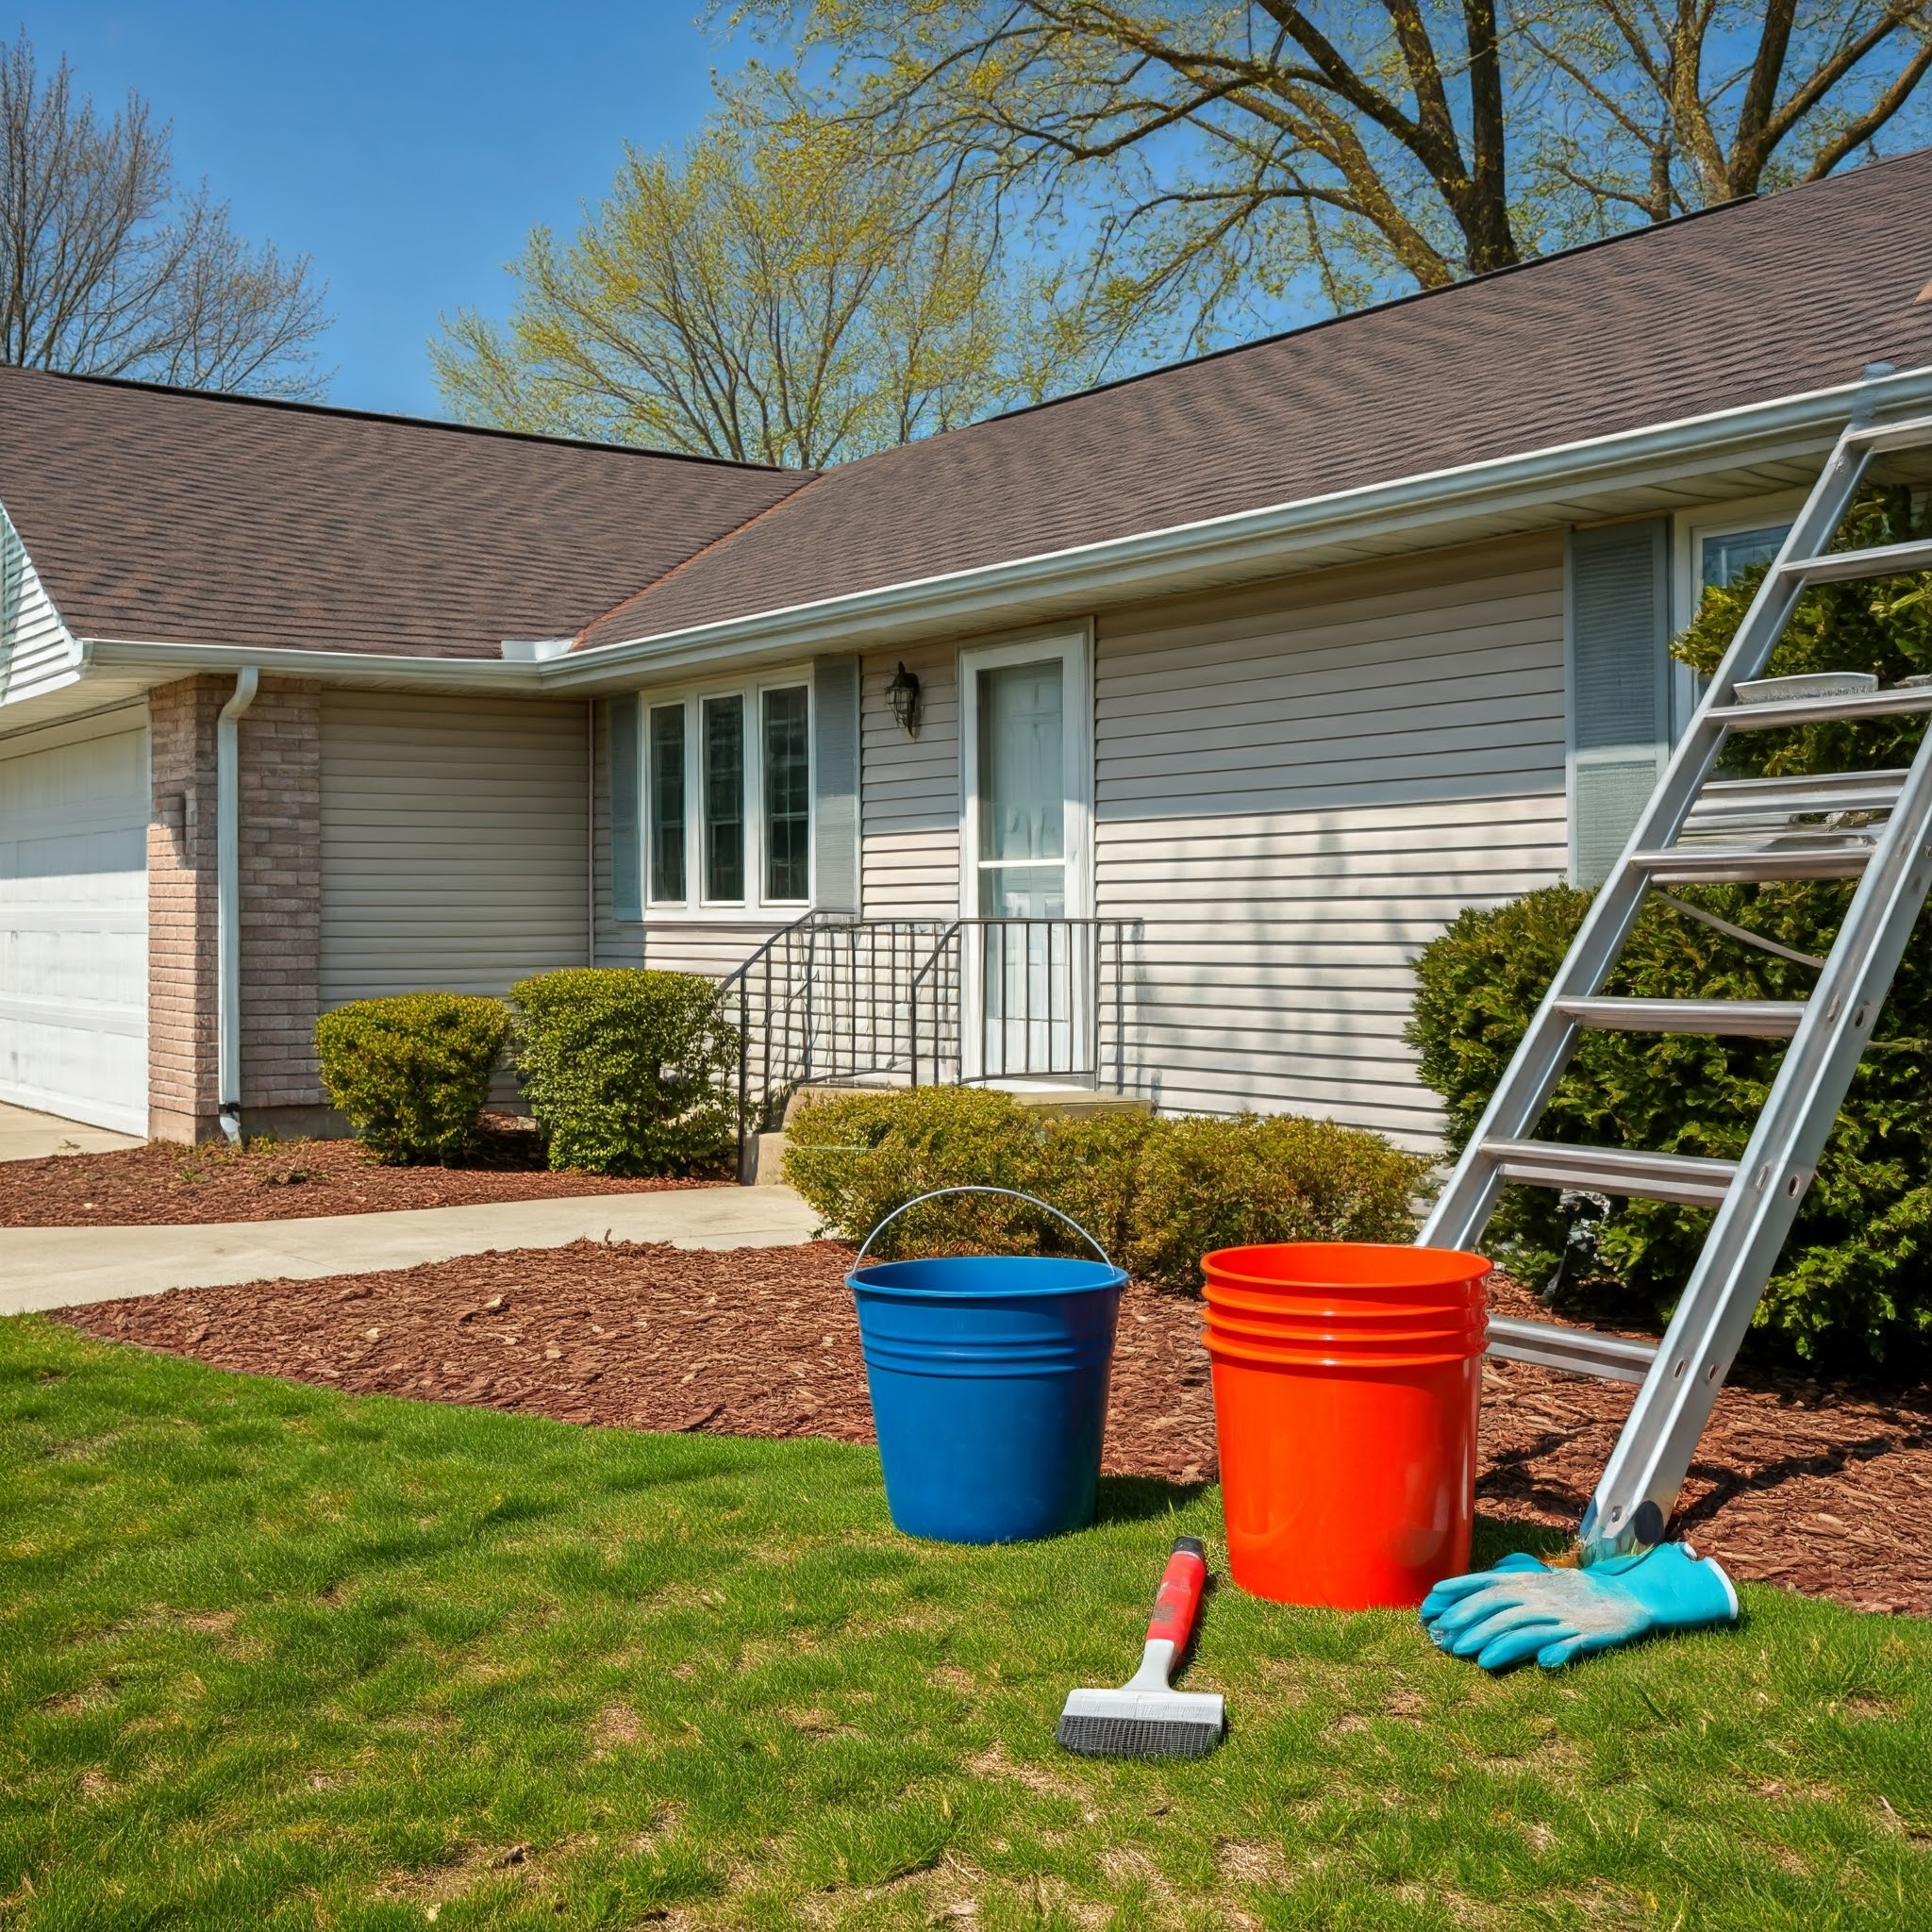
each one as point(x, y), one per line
point(1225, 1263)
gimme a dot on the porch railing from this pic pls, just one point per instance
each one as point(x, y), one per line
point(927, 1002)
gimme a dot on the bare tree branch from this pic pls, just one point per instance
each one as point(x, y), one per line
point(105, 270)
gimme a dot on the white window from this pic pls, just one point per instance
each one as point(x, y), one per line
point(726, 781)
point(1716, 549)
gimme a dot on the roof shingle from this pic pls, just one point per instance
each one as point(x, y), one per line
point(162, 514)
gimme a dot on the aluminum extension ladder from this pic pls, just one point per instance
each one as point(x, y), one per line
point(1696, 828)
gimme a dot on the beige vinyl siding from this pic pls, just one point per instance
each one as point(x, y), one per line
point(454, 842)
point(667, 944)
point(41, 651)
point(1296, 788)
point(909, 798)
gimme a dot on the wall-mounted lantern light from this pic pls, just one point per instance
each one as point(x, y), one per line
point(902, 695)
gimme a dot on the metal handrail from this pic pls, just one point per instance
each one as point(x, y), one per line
point(843, 996)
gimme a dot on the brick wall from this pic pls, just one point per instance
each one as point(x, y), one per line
point(281, 907)
point(181, 908)
point(281, 898)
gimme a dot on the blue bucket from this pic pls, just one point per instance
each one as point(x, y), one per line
point(989, 1377)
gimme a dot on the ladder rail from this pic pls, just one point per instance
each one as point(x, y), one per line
point(1463, 1209)
point(1640, 1485)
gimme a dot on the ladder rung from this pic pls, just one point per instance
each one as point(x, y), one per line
point(1905, 435)
point(1582, 1351)
point(1871, 704)
point(1614, 1171)
point(1841, 566)
point(1766, 1019)
point(1685, 865)
point(1780, 798)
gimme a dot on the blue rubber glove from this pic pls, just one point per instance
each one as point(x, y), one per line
point(1523, 1608)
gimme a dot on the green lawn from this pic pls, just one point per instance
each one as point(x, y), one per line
point(269, 1656)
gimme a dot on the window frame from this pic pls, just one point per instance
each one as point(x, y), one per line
point(1690, 530)
point(754, 909)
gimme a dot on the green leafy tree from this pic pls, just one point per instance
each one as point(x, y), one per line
point(1857, 1270)
point(776, 298)
point(1228, 153)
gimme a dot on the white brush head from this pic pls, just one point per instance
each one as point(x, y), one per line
point(1143, 1724)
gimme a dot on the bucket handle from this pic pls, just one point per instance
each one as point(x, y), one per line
point(1012, 1193)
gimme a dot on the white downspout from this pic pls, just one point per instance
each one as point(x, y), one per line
point(228, 901)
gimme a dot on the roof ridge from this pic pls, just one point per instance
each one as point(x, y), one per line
point(447, 424)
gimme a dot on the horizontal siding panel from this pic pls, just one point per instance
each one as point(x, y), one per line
point(1296, 789)
point(910, 790)
point(454, 842)
point(42, 650)
point(1482, 634)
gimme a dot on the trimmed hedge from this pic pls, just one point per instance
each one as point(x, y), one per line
point(627, 1071)
point(1855, 1273)
point(412, 1073)
point(1157, 1194)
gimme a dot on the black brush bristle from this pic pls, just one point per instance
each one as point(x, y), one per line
point(1119, 1736)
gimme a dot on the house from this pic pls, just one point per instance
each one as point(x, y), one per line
point(1218, 691)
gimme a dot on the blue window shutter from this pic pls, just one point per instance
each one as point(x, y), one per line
point(835, 784)
point(627, 791)
point(1618, 623)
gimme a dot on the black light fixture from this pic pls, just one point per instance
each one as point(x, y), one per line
point(902, 695)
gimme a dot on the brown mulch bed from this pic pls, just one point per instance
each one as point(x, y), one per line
point(1821, 1488)
point(280, 1180)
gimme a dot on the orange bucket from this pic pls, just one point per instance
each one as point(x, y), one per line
point(1347, 1378)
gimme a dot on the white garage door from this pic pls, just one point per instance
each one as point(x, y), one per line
point(73, 928)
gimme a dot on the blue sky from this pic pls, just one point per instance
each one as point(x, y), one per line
point(409, 147)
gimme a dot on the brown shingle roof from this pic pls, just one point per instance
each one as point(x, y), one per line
point(161, 514)
point(1746, 303)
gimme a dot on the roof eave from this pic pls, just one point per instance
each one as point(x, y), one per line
point(1248, 543)
point(170, 658)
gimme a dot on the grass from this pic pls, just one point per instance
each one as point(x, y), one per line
point(269, 1656)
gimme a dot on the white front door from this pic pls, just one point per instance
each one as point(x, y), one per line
point(1027, 760)
point(73, 929)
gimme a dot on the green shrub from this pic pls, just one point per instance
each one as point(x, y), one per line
point(412, 1073)
point(857, 1156)
point(1156, 1193)
point(627, 1071)
point(1855, 1270)
point(1205, 1184)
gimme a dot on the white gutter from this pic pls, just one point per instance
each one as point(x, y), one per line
point(1248, 542)
point(328, 666)
point(229, 900)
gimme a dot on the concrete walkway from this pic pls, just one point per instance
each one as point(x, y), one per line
point(29, 1136)
point(61, 1267)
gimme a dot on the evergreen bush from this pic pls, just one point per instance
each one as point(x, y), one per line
point(1156, 1193)
point(1853, 1276)
point(412, 1073)
point(627, 1071)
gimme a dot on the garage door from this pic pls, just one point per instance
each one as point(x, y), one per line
point(73, 928)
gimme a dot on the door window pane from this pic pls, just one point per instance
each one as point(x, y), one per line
point(788, 794)
point(667, 803)
point(723, 755)
point(1023, 776)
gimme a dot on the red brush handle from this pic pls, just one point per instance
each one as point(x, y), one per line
point(1179, 1596)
